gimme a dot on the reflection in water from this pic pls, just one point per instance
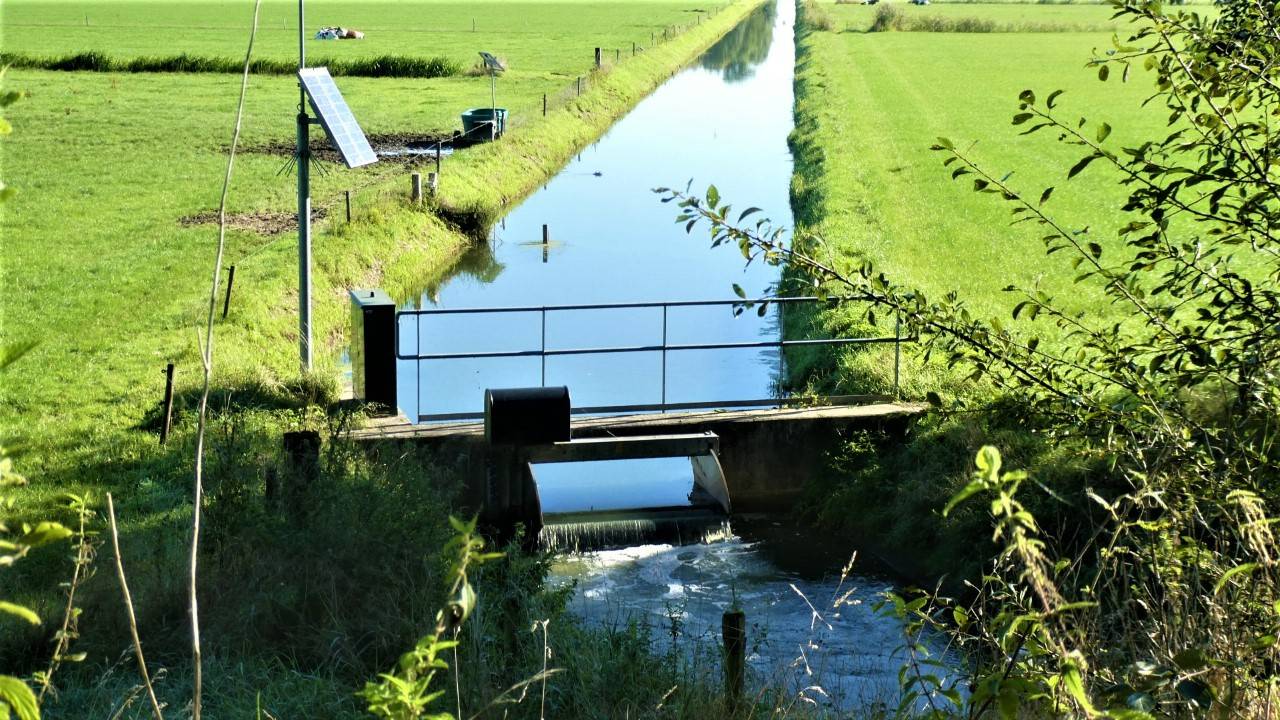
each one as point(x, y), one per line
point(479, 264)
point(613, 242)
point(737, 54)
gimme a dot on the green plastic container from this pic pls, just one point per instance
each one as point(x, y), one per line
point(476, 121)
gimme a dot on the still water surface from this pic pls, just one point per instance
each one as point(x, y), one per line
point(723, 120)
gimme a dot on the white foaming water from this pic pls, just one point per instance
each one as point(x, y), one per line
point(800, 641)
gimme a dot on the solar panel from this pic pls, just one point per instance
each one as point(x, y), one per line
point(339, 124)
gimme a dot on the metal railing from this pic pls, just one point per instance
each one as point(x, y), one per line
point(665, 347)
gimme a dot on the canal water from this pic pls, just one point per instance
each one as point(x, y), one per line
point(722, 120)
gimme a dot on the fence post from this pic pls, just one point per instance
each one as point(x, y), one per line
point(347, 193)
point(231, 280)
point(544, 340)
point(546, 242)
point(733, 631)
point(633, 48)
point(168, 404)
point(544, 104)
point(617, 55)
point(579, 86)
point(597, 58)
point(415, 187)
point(437, 158)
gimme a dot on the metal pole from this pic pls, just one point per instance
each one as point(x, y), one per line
point(493, 104)
point(304, 205)
point(544, 346)
point(546, 242)
point(664, 356)
point(348, 196)
point(897, 354)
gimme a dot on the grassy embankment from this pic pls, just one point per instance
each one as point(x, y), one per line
point(99, 269)
point(869, 105)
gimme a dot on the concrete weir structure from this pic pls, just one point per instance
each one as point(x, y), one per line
point(768, 456)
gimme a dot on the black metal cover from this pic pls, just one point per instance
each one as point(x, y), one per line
point(373, 347)
point(526, 416)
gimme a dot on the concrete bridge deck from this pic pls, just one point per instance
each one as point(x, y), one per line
point(768, 455)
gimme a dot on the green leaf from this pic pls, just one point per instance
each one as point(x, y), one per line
point(1104, 130)
point(988, 460)
point(974, 487)
point(1074, 685)
point(1191, 659)
point(1044, 196)
point(19, 698)
point(44, 533)
point(1237, 570)
point(737, 290)
point(1022, 117)
point(1079, 166)
point(1053, 96)
point(713, 196)
point(20, 611)
point(1104, 71)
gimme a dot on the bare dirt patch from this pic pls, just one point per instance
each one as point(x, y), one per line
point(262, 222)
point(397, 143)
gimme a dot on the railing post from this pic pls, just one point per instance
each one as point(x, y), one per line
point(897, 354)
point(664, 357)
point(544, 344)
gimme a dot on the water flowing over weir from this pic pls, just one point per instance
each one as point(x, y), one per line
point(723, 120)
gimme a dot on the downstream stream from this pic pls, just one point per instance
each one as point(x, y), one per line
point(722, 120)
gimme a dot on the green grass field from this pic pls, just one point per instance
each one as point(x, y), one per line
point(100, 270)
point(871, 104)
point(98, 266)
point(536, 37)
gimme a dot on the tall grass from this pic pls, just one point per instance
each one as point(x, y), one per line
point(95, 61)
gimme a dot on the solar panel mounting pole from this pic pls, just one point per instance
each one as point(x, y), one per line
point(304, 205)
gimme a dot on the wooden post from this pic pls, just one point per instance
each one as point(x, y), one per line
point(416, 189)
point(544, 104)
point(438, 151)
point(597, 58)
point(546, 242)
point(231, 280)
point(733, 631)
point(433, 182)
point(302, 458)
point(348, 195)
point(579, 85)
point(168, 404)
point(633, 48)
point(617, 55)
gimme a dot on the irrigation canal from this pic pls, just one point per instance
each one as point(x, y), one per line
point(722, 120)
